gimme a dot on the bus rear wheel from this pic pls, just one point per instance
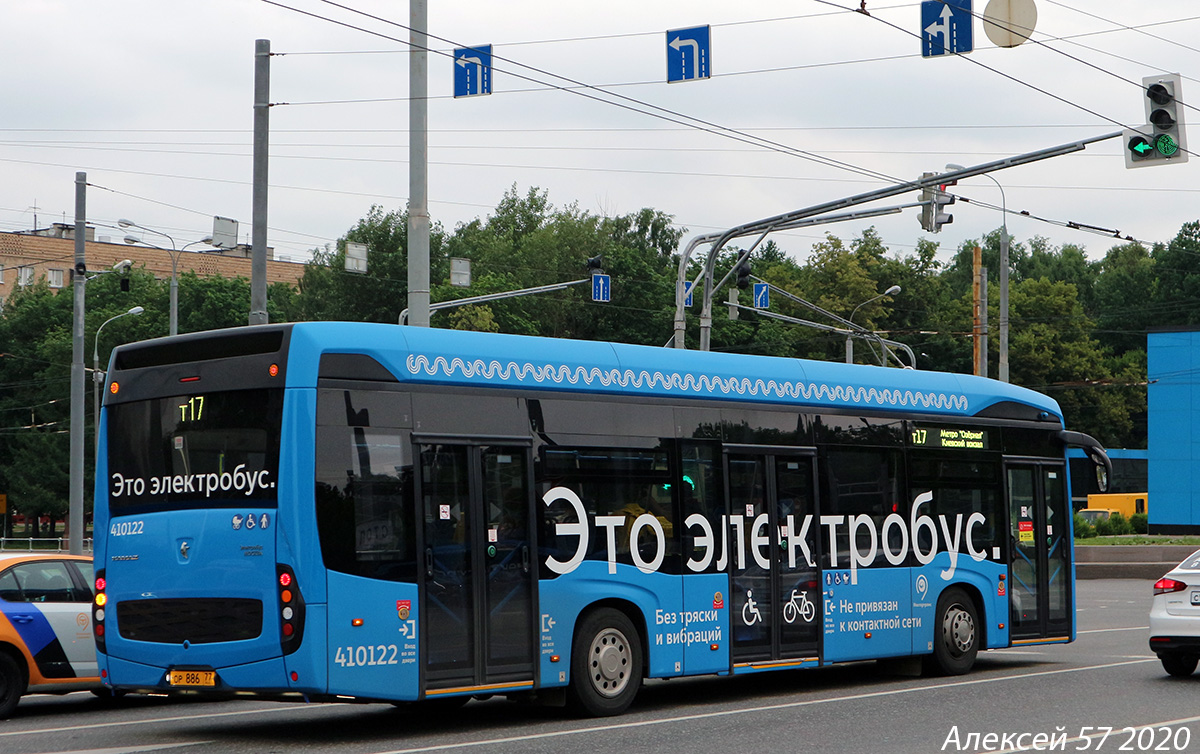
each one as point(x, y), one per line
point(606, 664)
point(956, 638)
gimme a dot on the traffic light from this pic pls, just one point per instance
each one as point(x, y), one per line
point(926, 218)
point(743, 274)
point(595, 263)
point(1161, 140)
point(941, 199)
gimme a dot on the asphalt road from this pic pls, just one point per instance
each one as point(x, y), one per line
point(1108, 678)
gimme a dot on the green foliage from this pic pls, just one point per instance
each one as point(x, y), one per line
point(1077, 326)
point(1139, 522)
point(1083, 530)
point(1114, 526)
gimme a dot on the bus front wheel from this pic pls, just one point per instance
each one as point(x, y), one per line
point(606, 664)
point(956, 634)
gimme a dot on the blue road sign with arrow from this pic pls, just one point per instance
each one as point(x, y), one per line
point(946, 27)
point(472, 71)
point(762, 296)
point(601, 288)
point(689, 55)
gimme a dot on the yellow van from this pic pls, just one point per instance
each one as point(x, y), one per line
point(1125, 503)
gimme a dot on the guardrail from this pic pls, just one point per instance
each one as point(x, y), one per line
point(37, 544)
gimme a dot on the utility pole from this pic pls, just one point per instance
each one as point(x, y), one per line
point(75, 496)
point(418, 164)
point(1002, 375)
point(258, 240)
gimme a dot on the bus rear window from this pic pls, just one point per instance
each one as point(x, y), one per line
point(194, 451)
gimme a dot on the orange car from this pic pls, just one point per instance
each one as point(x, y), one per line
point(46, 643)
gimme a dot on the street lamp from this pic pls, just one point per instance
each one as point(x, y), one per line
point(1003, 373)
point(850, 338)
point(174, 316)
point(97, 378)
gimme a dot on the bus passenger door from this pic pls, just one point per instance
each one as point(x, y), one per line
point(1039, 564)
point(775, 594)
point(477, 578)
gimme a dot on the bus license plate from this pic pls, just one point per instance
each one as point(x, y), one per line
point(193, 678)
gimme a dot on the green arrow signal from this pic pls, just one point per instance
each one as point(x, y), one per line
point(1140, 146)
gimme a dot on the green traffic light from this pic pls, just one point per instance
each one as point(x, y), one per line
point(1140, 146)
point(1166, 145)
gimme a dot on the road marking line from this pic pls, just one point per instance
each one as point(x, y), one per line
point(767, 708)
point(1104, 630)
point(91, 726)
point(1114, 733)
point(134, 749)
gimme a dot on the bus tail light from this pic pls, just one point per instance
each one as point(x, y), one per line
point(1166, 586)
point(99, 608)
point(291, 608)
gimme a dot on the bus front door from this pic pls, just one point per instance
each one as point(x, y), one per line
point(775, 593)
point(477, 579)
point(1039, 565)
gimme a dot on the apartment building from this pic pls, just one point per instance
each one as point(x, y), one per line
point(26, 257)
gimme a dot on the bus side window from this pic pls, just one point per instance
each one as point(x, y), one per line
point(861, 482)
point(960, 486)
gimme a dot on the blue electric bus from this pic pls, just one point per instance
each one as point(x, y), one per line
point(321, 511)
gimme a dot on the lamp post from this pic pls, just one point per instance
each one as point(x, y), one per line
point(97, 379)
point(850, 338)
point(1003, 372)
point(174, 316)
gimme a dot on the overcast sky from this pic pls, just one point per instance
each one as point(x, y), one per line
point(153, 100)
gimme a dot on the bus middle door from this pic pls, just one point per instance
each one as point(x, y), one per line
point(775, 591)
point(476, 577)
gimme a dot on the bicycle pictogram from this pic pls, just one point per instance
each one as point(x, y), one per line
point(804, 608)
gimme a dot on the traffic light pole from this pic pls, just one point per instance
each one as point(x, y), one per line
point(795, 219)
point(495, 297)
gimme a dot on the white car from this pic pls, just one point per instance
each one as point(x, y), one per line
point(1175, 618)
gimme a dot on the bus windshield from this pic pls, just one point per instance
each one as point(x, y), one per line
point(197, 450)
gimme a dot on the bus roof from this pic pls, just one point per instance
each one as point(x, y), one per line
point(472, 359)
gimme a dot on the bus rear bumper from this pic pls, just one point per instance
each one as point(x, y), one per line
point(265, 677)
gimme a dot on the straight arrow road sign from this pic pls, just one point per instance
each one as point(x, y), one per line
point(946, 27)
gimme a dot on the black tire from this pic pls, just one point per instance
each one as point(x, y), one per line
point(1178, 664)
point(956, 634)
point(12, 685)
point(107, 695)
point(606, 664)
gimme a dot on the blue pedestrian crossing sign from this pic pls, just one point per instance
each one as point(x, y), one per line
point(601, 288)
point(687, 293)
point(946, 27)
point(472, 71)
point(762, 296)
point(689, 54)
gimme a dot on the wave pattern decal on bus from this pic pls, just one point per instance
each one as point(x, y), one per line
point(675, 381)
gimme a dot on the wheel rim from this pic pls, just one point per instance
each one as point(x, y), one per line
point(958, 630)
point(609, 662)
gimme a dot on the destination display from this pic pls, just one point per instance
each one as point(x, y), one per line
point(964, 438)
